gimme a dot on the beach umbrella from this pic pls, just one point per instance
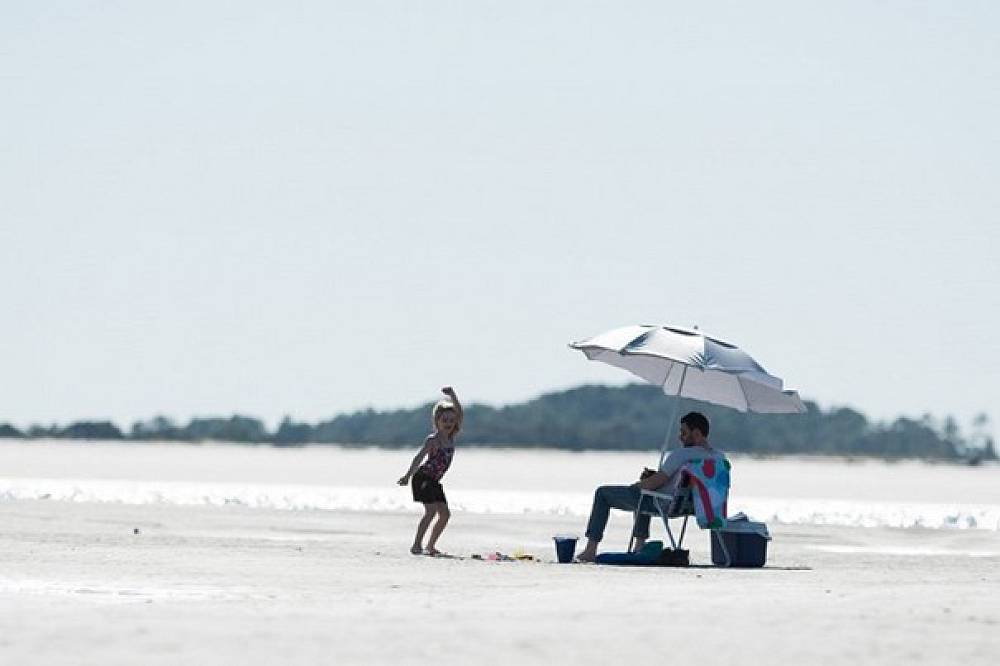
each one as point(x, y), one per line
point(687, 363)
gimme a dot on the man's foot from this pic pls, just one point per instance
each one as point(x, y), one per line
point(588, 554)
point(416, 550)
point(432, 551)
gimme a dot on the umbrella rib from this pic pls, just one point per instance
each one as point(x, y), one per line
point(746, 398)
point(680, 389)
point(670, 371)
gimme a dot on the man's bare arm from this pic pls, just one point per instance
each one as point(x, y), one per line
point(654, 481)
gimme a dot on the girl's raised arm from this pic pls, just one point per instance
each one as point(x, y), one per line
point(450, 392)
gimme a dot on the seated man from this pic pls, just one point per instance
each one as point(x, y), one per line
point(694, 436)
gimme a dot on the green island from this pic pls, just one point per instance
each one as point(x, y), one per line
point(632, 417)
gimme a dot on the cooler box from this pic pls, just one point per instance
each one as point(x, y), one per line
point(746, 542)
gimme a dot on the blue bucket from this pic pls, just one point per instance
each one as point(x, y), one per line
point(565, 548)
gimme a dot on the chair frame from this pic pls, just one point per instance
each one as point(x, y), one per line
point(679, 504)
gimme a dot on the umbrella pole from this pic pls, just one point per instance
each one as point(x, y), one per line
point(675, 408)
point(676, 400)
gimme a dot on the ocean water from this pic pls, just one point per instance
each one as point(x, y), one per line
point(497, 481)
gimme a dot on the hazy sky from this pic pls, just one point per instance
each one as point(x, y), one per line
point(313, 207)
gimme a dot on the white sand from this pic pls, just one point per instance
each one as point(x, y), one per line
point(202, 584)
point(234, 585)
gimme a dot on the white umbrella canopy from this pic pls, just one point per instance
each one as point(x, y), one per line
point(686, 363)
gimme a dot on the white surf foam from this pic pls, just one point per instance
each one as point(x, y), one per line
point(394, 499)
point(900, 551)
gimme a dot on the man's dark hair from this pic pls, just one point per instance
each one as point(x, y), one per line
point(696, 421)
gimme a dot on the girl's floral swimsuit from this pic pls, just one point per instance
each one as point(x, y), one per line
point(438, 462)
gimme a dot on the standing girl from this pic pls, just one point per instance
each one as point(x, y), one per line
point(439, 447)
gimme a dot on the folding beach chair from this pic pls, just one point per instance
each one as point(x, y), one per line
point(678, 503)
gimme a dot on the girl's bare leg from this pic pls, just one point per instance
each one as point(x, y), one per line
point(443, 515)
point(418, 541)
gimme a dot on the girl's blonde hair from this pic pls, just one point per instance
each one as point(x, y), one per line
point(443, 406)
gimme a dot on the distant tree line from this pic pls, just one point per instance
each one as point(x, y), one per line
point(632, 417)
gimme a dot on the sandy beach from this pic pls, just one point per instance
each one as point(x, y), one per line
point(233, 585)
point(106, 582)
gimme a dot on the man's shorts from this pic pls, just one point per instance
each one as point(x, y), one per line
point(426, 490)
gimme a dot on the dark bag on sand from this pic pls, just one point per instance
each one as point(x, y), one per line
point(674, 558)
point(647, 555)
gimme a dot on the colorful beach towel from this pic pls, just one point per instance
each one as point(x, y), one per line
point(710, 488)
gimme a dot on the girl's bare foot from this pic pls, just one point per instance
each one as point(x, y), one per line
point(432, 551)
point(416, 550)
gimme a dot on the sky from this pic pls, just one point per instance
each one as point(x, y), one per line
point(308, 208)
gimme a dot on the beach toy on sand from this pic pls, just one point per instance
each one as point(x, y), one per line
point(495, 556)
point(565, 548)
